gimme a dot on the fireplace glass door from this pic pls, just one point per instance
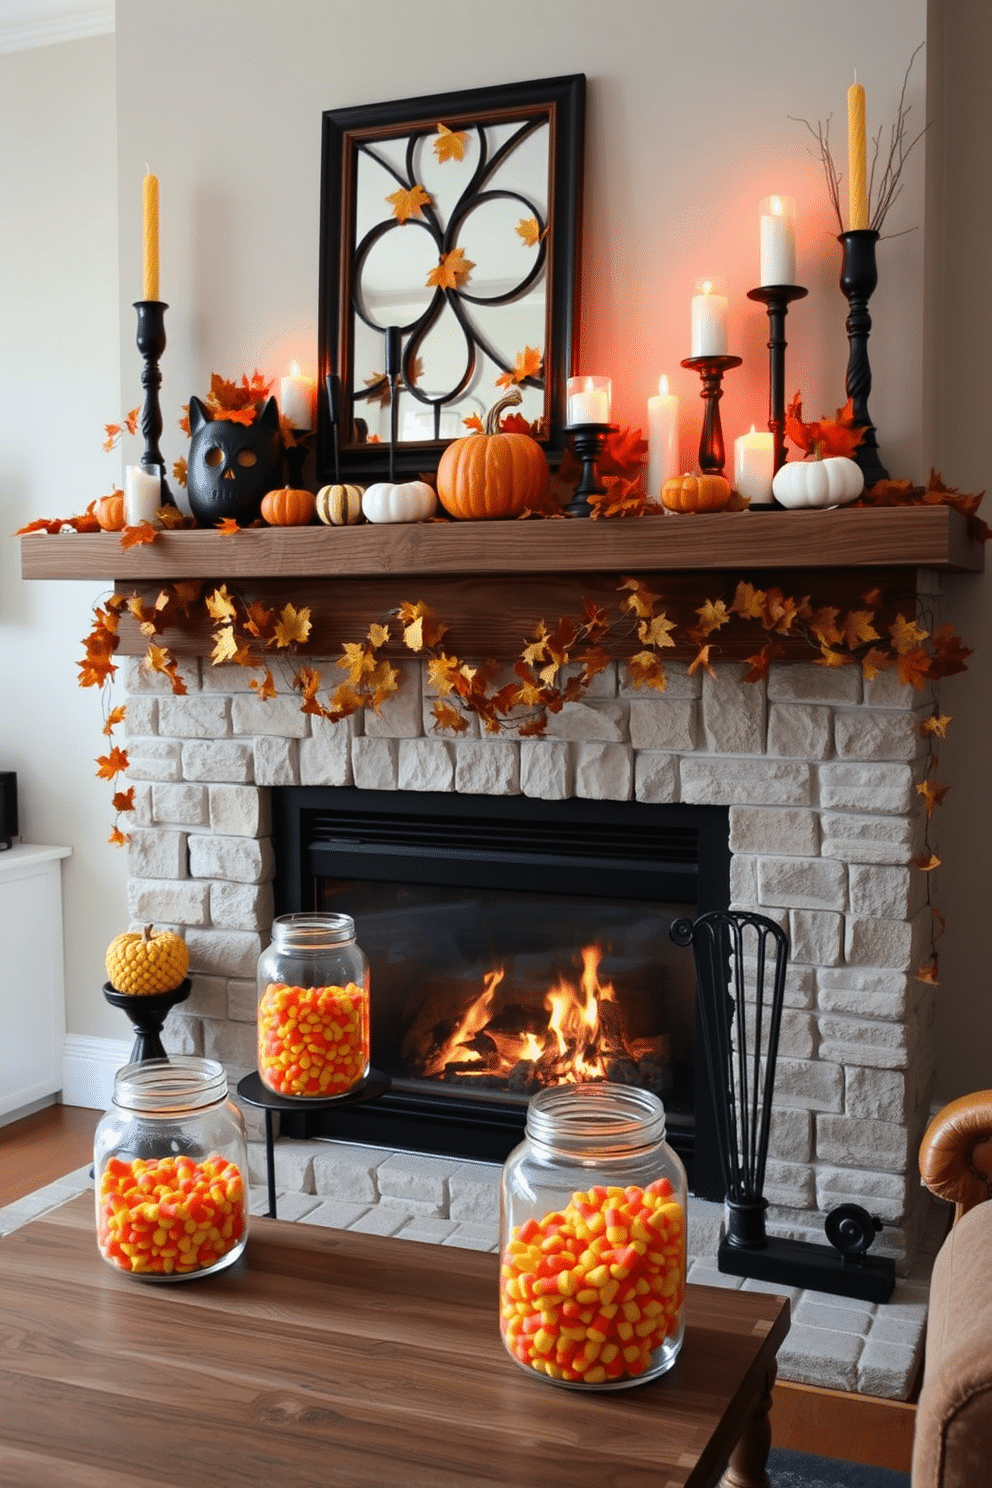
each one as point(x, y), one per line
point(512, 944)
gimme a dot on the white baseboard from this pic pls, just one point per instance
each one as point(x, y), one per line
point(88, 1069)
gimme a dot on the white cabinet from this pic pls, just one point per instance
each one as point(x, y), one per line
point(32, 975)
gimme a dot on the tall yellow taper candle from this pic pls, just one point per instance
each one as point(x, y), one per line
point(856, 158)
point(149, 215)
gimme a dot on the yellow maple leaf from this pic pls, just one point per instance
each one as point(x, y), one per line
point(180, 471)
point(293, 626)
point(748, 601)
point(936, 724)
point(452, 271)
point(712, 616)
point(432, 630)
point(830, 658)
point(413, 634)
point(875, 661)
point(383, 681)
point(933, 794)
point(529, 231)
point(357, 660)
point(528, 364)
point(450, 143)
point(656, 631)
point(641, 600)
point(858, 629)
point(220, 605)
point(927, 864)
point(447, 717)
point(906, 634)
point(646, 670)
point(226, 647)
point(378, 635)
point(407, 202)
point(824, 626)
point(444, 673)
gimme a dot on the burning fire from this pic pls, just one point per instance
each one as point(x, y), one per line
point(582, 1037)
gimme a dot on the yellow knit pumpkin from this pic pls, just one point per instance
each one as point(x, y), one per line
point(143, 962)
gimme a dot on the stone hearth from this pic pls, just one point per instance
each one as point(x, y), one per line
point(818, 767)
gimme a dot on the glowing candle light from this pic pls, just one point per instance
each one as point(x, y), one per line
point(589, 400)
point(149, 235)
point(296, 398)
point(709, 321)
point(778, 240)
point(754, 467)
point(142, 494)
point(663, 438)
point(856, 158)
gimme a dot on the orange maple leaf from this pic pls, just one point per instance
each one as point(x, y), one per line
point(123, 800)
point(227, 526)
point(527, 365)
point(914, 667)
point(180, 470)
point(264, 687)
point(927, 864)
point(758, 664)
point(529, 231)
point(641, 600)
point(936, 724)
point(134, 537)
point(114, 431)
point(875, 661)
point(447, 717)
point(452, 271)
point(624, 452)
point(114, 763)
point(929, 972)
point(701, 659)
point(823, 624)
point(293, 625)
point(822, 437)
point(118, 838)
point(858, 629)
point(933, 794)
point(949, 654)
point(450, 143)
point(408, 201)
point(114, 717)
point(621, 498)
point(513, 423)
point(474, 423)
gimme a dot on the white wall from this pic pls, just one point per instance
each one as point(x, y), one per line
point(691, 121)
point(59, 385)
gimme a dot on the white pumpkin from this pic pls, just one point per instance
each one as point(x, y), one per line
point(401, 501)
point(830, 482)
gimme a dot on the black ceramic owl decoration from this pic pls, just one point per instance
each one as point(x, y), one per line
point(232, 466)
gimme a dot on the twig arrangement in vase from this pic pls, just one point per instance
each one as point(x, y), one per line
point(871, 196)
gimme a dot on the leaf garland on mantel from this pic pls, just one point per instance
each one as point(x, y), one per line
point(556, 664)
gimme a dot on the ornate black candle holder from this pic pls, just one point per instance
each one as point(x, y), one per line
point(151, 344)
point(776, 299)
point(858, 279)
point(589, 441)
point(147, 1015)
point(712, 456)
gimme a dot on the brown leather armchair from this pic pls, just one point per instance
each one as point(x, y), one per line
point(952, 1444)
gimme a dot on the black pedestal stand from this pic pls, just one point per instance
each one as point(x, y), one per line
point(776, 299)
point(734, 951)
point(858, 280)
point(712, 457)
point(151, 344)
point(255, 1093)
point(590, 441)
point(147, 1015)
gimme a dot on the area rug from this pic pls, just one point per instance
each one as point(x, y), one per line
point(800, 1470)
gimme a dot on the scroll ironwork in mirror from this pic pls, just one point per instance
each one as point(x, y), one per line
point(448, 270)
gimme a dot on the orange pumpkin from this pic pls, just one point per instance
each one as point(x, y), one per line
point(287, 507)
point(695, 493)
point(109, 512)
point(484, 476)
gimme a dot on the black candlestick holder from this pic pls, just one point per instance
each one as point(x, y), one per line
point(151, 344)
point(147, 1014)
point(776, 299)
point(712, 456)
point(332, 385)
point(296, 457)
point(589, 441)
point(858, 279)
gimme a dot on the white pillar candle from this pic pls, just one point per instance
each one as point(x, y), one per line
point(296, 399)
point(589, 400)
point(754, 466)
point(663, 438)
point(778, 240)
point(709, 321)
point(142, 494)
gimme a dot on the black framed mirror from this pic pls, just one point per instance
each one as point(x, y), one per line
point(448, 271)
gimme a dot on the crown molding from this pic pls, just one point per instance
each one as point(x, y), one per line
point(36, 23)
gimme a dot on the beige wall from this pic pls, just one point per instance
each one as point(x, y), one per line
point(690, 122)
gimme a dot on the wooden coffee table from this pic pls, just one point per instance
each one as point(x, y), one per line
point(326, 1357)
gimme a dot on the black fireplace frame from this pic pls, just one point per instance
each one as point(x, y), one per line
point(692, 864)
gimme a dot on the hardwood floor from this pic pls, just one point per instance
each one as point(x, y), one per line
point(42, 1147)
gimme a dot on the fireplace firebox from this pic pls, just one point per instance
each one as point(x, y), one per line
point(513, 944)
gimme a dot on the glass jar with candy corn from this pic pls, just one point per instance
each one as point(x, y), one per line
point(313, 1008)
point(170, 1163)
point(592, 1239)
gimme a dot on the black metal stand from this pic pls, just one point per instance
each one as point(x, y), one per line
point(394, 353)
point(255, 1093)
point(151, 344)
point(333, 387)
point(712, 456)
point(296, 457)
point(740, 1045)
point(858, 279)
point(147, 1015)
point(776, 299)
point(590, 441)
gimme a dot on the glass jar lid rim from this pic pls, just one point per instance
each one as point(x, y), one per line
point(597, 1112)
point(313, 928)
point(170, 1086)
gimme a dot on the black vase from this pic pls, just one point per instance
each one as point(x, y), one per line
point(858, 279)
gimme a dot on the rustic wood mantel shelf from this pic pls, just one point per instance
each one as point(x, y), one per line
point(491, 582)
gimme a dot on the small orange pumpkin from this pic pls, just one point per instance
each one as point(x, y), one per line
point(695, 493)
point(288, 507)
point(495, 474)
point(109, 512)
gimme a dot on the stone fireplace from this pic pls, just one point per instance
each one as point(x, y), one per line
point(817, 766)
